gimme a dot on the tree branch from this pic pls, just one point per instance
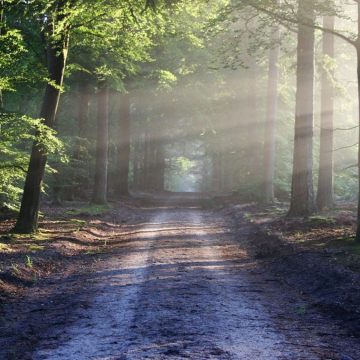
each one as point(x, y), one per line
point(284, 19)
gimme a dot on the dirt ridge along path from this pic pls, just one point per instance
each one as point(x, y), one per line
point(185, 289)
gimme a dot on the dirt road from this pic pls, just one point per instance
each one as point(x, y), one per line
point(182, 287)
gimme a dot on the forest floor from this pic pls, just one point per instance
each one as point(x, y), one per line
point(176, 278)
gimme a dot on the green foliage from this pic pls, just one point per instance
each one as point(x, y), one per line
point(17, 135)
point(90, 210)
point(28, 262)
point(12, 50)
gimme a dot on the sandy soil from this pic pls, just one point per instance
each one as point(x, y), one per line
point(180, 286)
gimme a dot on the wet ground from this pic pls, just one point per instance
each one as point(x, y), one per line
point(182, 286)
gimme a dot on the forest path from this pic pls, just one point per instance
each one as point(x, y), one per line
point(183, 288)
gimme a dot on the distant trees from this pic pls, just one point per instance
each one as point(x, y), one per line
point(325, 181)
point(102, 145)
point(123, 146)
point(302, 193)
point(271, 116)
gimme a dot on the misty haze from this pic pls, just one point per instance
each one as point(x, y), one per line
point(179, 179)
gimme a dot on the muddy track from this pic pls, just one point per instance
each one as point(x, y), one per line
point(183, 287)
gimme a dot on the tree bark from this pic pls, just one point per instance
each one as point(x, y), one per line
point(102, 145)
point(325, 181)
point(271, 117)
point(2, 21)
point(27, 221)
point(302, 193)
point(123, 149)
point(358, 81)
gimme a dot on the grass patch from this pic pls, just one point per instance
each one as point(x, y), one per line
point(274, 210)
point(29, 262)
point(35, 247)
point(78, 222)
point(347, 243)
point(248, 217)
point(41, 236)
point(321, 220)
point(89, 210)
point(4, 247)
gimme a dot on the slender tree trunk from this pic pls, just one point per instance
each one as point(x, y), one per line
point(254, 145)
point(358, 81)
point(325, 181)
point(28, 217)
point(139, 168)
point(81, 185)
point(136, 168)
point(253, 140)
point(2, 23)
point(271, 117)
point(84, 107)
point(82, 116)
point(152, 167)
point(151, 159)
point(302, 193)
point(160, 166)
point(216, 172)
point(146, 161)
point(122, 176)
point(102, 145)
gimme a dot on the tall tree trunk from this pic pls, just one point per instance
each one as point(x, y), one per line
point(216, 172)
point(160, 166)
point(302, 193)
point(80, 148)
point(271, 117)
point(152, 167)
point(325, 181)
point(82, 115)
point(139, 168)
point(84, 107)
point(147, 159)
point(253, 139)
point(2, 24)
point(27, 221)
point(358, 82)
point(123, 149)
point(136, 168)
point(102, 145)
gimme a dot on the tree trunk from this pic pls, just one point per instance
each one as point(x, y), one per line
point(102, 145)
point(358, 81)
point(2, 21)
point(325, 181)
point(302, 193)
point(271, 117)
point(123, 149)
point(84, 107)
point(216, 172)
point(160, 166)
point(81, 185)
point(138, 156)
point(147, 159)
point(27, 221)
point(253, 140)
